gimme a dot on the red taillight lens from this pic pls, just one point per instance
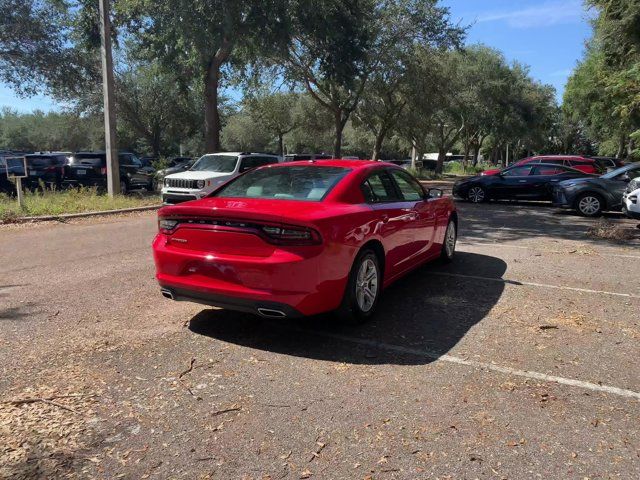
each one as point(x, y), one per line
point(288, 235)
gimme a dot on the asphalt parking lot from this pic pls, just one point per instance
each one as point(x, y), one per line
point(519, 360)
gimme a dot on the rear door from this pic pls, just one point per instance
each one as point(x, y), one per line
point(420, 222)
point(381, 193)
point(543, 179)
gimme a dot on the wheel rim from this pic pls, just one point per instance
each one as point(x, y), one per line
point(476, 194)
point(367, 285)
point(450, 240)
point(589, 205)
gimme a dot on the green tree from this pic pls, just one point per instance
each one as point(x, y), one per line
point(402, 26)
point(275, 113)
point(153, 109)
point(205, 39)
point(329, 55)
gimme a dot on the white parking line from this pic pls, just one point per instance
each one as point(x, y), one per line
point(524, 247)
point(532, 284)
point(483, 366)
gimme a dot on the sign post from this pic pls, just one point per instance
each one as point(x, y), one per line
point(17, 169)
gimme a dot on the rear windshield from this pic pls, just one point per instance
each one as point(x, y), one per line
point(216, 163)
point(90, 158)
point(40, 161)
point(310, 184)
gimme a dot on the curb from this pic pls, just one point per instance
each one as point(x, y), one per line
point(84, 214)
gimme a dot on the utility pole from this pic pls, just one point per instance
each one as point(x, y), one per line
point(111, 149)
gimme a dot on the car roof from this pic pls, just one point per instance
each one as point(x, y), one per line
point(351, 164)
point(240, 153)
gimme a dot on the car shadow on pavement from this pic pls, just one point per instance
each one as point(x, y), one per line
point(419, 318)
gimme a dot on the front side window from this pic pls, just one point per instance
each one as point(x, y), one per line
point(308, 183)
point(409, 188)
point(216, 163)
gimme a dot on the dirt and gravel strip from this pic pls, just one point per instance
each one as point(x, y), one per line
point(103, 378)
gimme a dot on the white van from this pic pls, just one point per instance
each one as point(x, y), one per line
point(208, 173)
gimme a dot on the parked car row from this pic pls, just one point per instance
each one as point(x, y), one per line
point(574, 187)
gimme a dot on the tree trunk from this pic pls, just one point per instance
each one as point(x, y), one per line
point(467, 149)
point(339, 126)
point(621, 145)
point(377, 146)
point(281, 144)
point(211, 113)
point(442, 154)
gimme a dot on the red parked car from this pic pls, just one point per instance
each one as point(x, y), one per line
point(303, 238)
point(584, 164)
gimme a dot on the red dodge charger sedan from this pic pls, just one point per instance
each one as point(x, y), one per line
point(303, 238)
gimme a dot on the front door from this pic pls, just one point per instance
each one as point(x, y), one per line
point(515, 182)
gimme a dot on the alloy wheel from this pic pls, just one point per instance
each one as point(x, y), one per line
point(476, 194)
point(589, 205)
point(367, 285)
point(450, 240)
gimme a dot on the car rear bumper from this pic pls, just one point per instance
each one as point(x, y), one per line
point(298, 284)
point(263, 308)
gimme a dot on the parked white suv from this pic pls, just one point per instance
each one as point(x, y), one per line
point(630, 202)
point(209, 172)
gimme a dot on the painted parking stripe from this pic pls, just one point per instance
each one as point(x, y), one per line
point(524, 247)
point(532, 284)
point(596, 387)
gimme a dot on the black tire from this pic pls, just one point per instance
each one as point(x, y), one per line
point(477, 194)
point(448, 251)
point(590, 204)
point(351, 311)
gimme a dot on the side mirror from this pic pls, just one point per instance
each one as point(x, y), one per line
point(435, 193)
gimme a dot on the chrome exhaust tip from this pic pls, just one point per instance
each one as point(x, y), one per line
point(166, 293)
point(269, 313)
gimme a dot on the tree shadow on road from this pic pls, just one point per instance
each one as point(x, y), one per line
point(420, 318)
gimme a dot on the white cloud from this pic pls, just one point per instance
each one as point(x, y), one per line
point(543, 15)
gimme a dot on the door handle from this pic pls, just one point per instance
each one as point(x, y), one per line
point(522, 181)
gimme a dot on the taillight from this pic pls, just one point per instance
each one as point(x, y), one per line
point(167, 226)
point(289, 235)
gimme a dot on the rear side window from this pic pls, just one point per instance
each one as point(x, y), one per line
point(379, 188)
point(548, 170)
point(575, 163)
point(285, 183)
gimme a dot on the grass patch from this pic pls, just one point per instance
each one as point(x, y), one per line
point(457, 168)
point(77, 200)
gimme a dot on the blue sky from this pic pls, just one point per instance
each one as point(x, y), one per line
point(547, 35)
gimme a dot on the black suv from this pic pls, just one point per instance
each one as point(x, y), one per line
point(90, 169)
